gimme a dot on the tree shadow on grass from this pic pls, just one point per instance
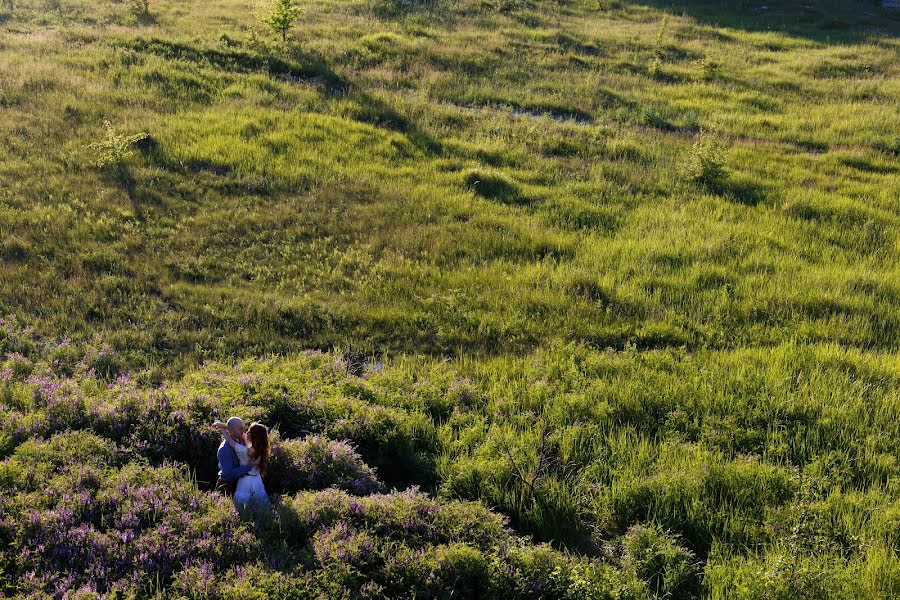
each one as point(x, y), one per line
point(300, 66)
point(742, 192)
point(378, 112)
point(295, 65)
point(824, 21)
point(495, 186)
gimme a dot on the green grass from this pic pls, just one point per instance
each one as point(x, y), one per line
point(657, 241)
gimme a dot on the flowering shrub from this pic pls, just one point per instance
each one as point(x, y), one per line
point(80, 519)
point(316, 463)
point(16, 338)
point(388, 544)
point(409, 515)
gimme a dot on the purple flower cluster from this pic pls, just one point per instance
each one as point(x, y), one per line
point(97, 490)
point(113, 528)
point(343, 546)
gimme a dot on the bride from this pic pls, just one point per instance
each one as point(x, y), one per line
point(252, 448)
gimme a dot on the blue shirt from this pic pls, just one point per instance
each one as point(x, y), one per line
point(230, 468)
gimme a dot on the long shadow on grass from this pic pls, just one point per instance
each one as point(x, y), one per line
point(742, 192)
point(824, 21)
point(303, 66)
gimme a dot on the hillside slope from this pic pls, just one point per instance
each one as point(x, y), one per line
point(566, 299)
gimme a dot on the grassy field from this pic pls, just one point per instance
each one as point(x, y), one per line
point(615, 284)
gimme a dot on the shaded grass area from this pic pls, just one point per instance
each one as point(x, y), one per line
point(825, 21)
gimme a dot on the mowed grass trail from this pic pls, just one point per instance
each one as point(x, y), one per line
point(625, 272)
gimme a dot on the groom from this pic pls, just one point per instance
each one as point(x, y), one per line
point(230, 469)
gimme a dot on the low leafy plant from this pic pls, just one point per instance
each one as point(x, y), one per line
point(656, 558)
point(115, 147)
point(655, 68)
point(140, 10)
point(705, 164)
point(709, 68)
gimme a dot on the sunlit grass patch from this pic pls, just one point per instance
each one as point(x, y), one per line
point(284, 148)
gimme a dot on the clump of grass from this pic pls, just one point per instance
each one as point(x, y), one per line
point(494, 185)
point(657, 559)
point(140, 10)
point(710, 68)
point(15, 249)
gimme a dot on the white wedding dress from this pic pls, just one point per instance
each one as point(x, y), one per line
point(250, 488)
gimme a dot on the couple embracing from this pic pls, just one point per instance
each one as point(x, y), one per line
point(243, 457)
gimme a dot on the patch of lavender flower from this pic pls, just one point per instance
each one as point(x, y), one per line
point(80, 519)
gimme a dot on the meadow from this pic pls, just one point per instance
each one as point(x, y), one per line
point(544, 299)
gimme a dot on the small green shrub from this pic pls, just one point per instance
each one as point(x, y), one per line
point(140, 10)
point(709, 68)
point(656, 558)
point(705, 164)
point(655, 68)
point(115, 147)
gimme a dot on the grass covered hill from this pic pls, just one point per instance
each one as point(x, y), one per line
point(546, 299)
point(449, 179)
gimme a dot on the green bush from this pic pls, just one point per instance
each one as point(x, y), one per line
point(115, 147)
point(316, 463)
point(656, 558)
point(705, 164)
point(280, 16)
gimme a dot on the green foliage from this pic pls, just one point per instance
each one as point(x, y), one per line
point(318, 463)
point(705, 163)
point(114, 148)
point(140, 10)
point(668, 569)
point(280, 16)
point(710, 67)
point(655, 68)
point(610, 463)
